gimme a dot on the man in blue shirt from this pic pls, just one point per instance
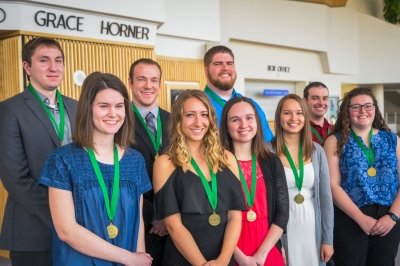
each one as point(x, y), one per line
point(219, 67)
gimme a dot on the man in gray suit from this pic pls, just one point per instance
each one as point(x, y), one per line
point(32, 124)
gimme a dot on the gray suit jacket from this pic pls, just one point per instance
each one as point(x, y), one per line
point(27, 137)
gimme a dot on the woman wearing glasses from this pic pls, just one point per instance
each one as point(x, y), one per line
point(363, 158)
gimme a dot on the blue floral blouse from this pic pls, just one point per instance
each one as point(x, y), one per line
point(367, 190)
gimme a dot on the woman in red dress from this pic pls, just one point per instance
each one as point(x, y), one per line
point(263, 182)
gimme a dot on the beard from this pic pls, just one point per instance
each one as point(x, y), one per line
point(223, 86)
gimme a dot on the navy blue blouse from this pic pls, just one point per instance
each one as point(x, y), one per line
point(69, 168)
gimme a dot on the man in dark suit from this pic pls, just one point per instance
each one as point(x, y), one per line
point(32, 124)
point(151, 137)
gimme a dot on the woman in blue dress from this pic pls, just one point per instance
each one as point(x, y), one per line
point(96, 183)
point(363, 158)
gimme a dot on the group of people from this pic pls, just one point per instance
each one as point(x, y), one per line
point(110, 180)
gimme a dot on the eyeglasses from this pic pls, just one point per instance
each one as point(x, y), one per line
point(367, 107)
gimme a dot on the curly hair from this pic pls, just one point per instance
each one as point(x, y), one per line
point(178, 151)
point(343, 125)
point(305, 134)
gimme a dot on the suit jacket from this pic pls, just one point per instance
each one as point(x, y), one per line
point(27, 137)
point(144, 145)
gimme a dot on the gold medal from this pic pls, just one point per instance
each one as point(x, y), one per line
point(251, 216)
point(371, 171)
point(112, 231)
point(299, 199)
point(214, 219)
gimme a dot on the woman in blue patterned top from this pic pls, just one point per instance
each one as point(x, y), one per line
point(96, 183)
point(363, 158)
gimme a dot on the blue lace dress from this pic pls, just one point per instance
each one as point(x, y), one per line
point(69, 168)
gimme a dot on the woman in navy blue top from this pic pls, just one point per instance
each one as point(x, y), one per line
point(363, 158)
point(96, 183)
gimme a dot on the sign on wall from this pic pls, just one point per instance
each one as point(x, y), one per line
point(27, 17)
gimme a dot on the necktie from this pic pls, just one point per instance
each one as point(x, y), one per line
point(150, 122)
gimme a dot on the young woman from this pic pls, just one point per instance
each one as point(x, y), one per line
point(364, 166)
point(310, 227)
point(263, 182)
point(196, 187)
point(96, 183)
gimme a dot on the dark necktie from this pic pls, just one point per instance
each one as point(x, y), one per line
point(150, 122)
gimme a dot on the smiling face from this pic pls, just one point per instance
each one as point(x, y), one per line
point(195, 120)
point(108, 112)
point(145, 85)
point(242, 122)
point(317, 102)
point(361, 118)
point(221, 72)
point(46, 70)
point(291, 117)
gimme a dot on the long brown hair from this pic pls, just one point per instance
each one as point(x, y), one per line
point(305, 133)
point(178, 150)
point(83, 131)
point(343, 125)
point(258, 144)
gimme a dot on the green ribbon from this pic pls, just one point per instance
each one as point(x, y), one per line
point(59, 128)
point(110, 207)
point(250, 195)
point(368, 152)
point(156, 140)
point(212, 193)
point(319, 137)
point(297, 177)
point(214, 96)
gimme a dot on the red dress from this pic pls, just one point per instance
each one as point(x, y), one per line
point(254, 233)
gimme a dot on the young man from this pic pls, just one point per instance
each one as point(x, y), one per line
point(316, 96)
point(151, 137)
point(219, 67)
point(32, 124)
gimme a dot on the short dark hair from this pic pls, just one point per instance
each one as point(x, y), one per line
point(93, 84)
point(258, 144)
point(312, 85)
point(146, 61)
point(208, 56)
point(30, 47)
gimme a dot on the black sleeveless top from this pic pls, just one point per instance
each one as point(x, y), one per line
point(184, 193)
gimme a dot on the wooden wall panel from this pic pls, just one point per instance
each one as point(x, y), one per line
point(90, 56)
point(180, 70)
point(11, 67)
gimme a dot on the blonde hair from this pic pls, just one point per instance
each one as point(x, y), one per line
point(178, 151)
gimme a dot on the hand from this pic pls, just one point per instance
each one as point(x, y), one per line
point(326, 252)
point(159, 228)
point(366, 223)
point(284, 256)
point(248, 261)
point(260, 258)
point(140, 259)
point(383, 226)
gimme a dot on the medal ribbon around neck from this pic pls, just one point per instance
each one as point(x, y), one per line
point(368, 152)
point(297, 177)
point(110, 207)
point(319, 137)
point(250, 195)
point(212, 193)
point(156, 140)
point(214, 96)
point(59, 128)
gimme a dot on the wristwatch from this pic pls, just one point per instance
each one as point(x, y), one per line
point(394, 216)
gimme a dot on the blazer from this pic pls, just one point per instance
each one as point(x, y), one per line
point(27, 137)
point(144, 145)
point(277, 191)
